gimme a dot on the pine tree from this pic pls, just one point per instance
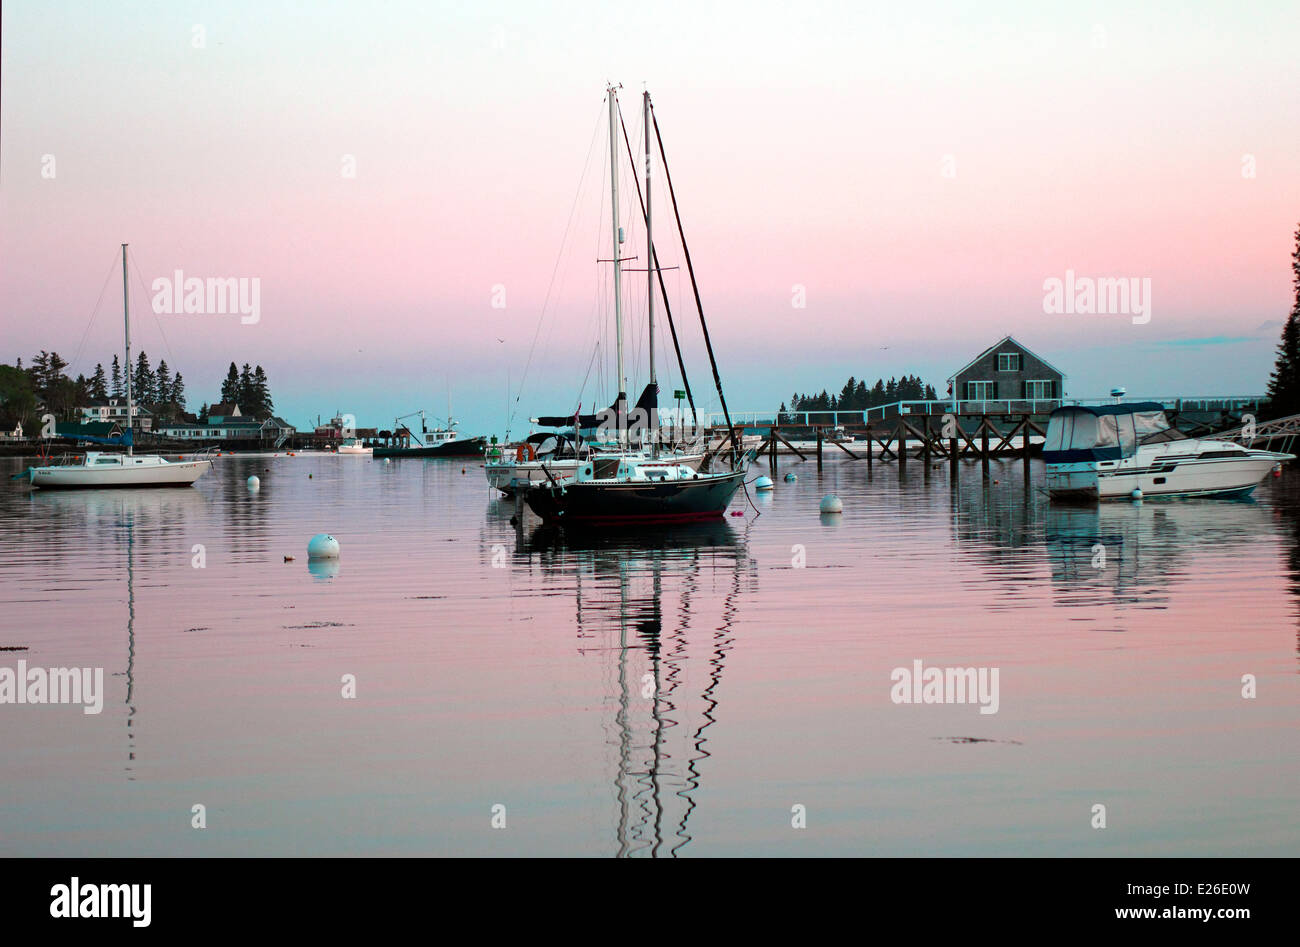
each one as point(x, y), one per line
point(1284, 383)
point(117, 378)
point(163, 383)
point(178, 393)
point(142, 382)
point(245, 395)
point(98, 383)
point(230, 387)
point(264, 407)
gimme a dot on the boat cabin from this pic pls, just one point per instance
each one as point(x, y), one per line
point(1081, 433)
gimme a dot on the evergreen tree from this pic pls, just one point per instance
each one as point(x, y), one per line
point(142, 382)
point(203, 413)
point(98, 383)
point(1284, 383)
point(230, 387)
point(178, 393)
point(163, 383)
point(117, 378)
point(245, 388)
point(263, 406)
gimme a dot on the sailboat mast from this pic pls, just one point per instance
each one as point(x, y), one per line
point(126, 321)
point(618, 267)
point(650, 270)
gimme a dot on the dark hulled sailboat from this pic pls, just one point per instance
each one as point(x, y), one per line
point(633, 488)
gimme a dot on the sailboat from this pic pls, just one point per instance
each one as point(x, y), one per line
point(98, 470)
point(639, 487)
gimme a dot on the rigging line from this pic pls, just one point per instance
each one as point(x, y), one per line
point(91, 321)
point(140, 278)
point(663, 290)
point(708, 345)
point(559, 256)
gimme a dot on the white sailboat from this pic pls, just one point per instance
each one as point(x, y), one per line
point(99, 470)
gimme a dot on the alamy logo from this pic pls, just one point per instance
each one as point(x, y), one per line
point(1103, 296)
point(77, 900)
point(213, 296)
point(53, 686)
point(940, 685)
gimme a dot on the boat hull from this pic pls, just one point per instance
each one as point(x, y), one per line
point(1165, 477)
point(630, 503)
point(472, 447)
point(177, 474)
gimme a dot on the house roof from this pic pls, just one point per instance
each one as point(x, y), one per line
point(998, 343)
point(224, 410)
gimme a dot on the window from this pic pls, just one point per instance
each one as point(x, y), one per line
point(981, 390)
point(1008, 361)
point(1039, 390)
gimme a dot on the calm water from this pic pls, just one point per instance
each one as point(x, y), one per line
point(673, 694)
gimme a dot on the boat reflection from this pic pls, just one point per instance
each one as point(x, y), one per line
point(1132, 553)
point(656, 613)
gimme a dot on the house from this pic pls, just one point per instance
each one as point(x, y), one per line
point(1007, 371)
point(229, 426)
point(113, 410)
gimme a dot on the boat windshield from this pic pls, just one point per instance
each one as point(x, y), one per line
point(1085, 435)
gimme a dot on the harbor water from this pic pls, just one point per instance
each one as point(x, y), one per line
point(456, 683)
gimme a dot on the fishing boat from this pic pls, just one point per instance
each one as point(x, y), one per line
point(1122, 451)
point(99, 470)
point(354, 445)
point(638, 486)
point(440, 442)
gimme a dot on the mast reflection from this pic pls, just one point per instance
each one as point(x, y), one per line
point(659, 609)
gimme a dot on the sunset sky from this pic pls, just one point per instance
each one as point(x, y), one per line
point(918, 169)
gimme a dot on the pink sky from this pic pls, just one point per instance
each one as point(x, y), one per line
point(807, 147)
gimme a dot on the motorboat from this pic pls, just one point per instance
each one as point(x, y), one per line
point(353, 445)
point(1122, 451)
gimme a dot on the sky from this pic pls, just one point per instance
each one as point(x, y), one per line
point(421, 191)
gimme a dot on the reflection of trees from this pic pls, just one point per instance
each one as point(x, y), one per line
point(658, 609)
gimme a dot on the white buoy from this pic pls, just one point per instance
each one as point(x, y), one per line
point(388, 460)
point(832, 504)
point(323, 546)
point(763, 483)
point(254, 483)
point(1136, 494)
point(791, 477)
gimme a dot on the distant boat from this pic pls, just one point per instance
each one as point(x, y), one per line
point(353, 445)
point(637, 486)
point(440, 442)
point(1110, 451)
point(102, 470)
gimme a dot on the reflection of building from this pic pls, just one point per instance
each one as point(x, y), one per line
point(1008, 371)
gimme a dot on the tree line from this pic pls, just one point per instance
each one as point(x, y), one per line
point(856, 396)
point(1284, 383)
point(249, 389)
point(45, 385)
